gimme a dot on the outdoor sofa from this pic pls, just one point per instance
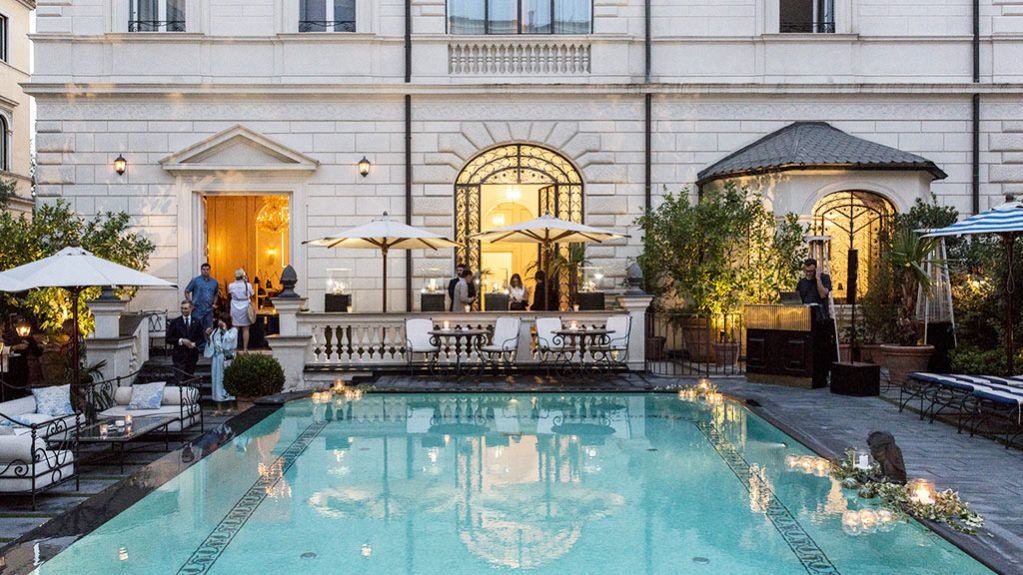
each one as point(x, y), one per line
point(979, 403)
point(37, 450)
point(109, 400)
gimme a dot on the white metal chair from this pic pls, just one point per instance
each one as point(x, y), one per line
point(615, 353)
point(550, 346)
point(418, 340)
point(504, 343)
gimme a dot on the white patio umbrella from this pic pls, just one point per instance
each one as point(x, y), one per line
point(1006, 220)
point(75, 269)
point(384, 234)
point(547, 231)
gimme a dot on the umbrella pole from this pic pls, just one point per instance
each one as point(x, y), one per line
point(1010, 288)
point(74, 337)
point(384, 249)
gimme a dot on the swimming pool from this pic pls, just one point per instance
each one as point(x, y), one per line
point(465, 484)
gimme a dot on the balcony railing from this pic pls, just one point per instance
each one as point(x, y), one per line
point(326, 26)
point(156, 25)
point(807, 28)
point(518, 58)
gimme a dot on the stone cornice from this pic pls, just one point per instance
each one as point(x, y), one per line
point(341, 90)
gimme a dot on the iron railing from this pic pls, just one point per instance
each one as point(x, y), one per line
point(326, 26)
point(156, 25)
point(689, 345)
point(807, 27)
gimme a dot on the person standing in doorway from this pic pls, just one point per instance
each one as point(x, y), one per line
point(464, 294)
point(202, 293)
point(518, 294)
point(185, 333)
point(240, 291)
point(459, 270)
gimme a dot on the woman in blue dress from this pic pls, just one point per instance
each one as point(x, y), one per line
point(220, 348)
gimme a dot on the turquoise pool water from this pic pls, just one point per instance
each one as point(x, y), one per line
point(574, 484)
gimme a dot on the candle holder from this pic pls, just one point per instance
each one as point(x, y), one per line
point(922, 491)
point(104, 429)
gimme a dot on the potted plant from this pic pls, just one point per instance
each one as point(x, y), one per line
point(726, 346)
point(907, 257)
point(253, 375)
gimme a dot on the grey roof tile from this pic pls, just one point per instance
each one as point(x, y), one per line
point(805, 145)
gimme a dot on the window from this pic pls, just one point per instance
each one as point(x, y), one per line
point(4, 145)
point(326, 16)
point(157, 16)
point(806, 16)
point(3, 38)
point(520, 16)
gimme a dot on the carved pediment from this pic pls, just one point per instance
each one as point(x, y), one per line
point(238, 149)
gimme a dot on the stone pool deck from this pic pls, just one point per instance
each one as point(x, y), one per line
point(986, 474)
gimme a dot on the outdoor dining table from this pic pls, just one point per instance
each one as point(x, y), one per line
point(583, 339)
point(459, 341)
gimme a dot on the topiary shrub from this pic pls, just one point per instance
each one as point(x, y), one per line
point(254, 375)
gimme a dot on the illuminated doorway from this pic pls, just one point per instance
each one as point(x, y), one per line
point(855, 220)
point(503, 186)
point(251, 232)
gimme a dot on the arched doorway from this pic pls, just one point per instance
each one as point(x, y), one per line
point(855, 220)
point(506, 185)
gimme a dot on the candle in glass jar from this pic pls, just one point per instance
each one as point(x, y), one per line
point(447, 325)
point(574, 325)
point(104, 429)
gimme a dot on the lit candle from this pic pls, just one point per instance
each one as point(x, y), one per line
point(447, 325)
point(921, 491)
point(575, 307)
point(349, 309)
point(104, 429)
point(574, 325)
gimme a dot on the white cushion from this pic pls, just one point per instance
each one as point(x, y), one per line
point(417, 335)
point(5, 430)
point(55, 400)
point(171, 395)
point(147, 396)
point(191, 411)
point(18, 406)
point(506, 334)
point(18, 447)
point(53, 466)
point(545, 328)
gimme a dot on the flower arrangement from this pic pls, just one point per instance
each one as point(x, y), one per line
point(918, 498)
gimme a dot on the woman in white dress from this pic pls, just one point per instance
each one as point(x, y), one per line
point(240, 291)
point(220, 348)
point(518, 294)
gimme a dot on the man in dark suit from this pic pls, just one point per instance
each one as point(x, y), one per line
point(185, 333)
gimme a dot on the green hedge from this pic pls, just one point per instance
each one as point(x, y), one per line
point(254, 375)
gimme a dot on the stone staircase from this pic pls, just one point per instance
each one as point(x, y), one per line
point(162, 369)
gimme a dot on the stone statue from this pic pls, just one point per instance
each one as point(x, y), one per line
point(888, 456)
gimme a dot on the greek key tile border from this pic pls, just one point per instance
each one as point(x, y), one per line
point(799, 541)
point(207, 553)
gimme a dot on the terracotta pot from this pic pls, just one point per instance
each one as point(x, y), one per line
point(901, 360)
point(244, 402)
point(870, 353)
point(726, 354)
point(696, 333)
point(655, 347)
point(844, 352)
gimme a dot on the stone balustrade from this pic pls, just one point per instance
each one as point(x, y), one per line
point(517, 57)
point(312, 342)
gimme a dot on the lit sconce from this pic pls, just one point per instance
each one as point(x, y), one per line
point(364, 167)
point(120, 165)
point(22, 328)
point(497, 220)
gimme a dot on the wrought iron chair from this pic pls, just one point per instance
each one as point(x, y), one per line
point(550, 346)
point(614, 353)
point(504, 343)
point(418, 340)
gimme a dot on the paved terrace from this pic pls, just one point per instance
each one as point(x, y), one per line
point(985, 473)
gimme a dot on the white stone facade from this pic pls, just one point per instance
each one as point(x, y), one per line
point(721, 77)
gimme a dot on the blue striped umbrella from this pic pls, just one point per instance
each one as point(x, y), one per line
point(1005, 220)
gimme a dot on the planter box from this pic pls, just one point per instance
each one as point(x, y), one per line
point(432, 302)
point(336, 302)
point(496, 302)
point(856, 379)
point(591, 301)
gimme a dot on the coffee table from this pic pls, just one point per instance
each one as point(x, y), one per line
point(140, 426)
